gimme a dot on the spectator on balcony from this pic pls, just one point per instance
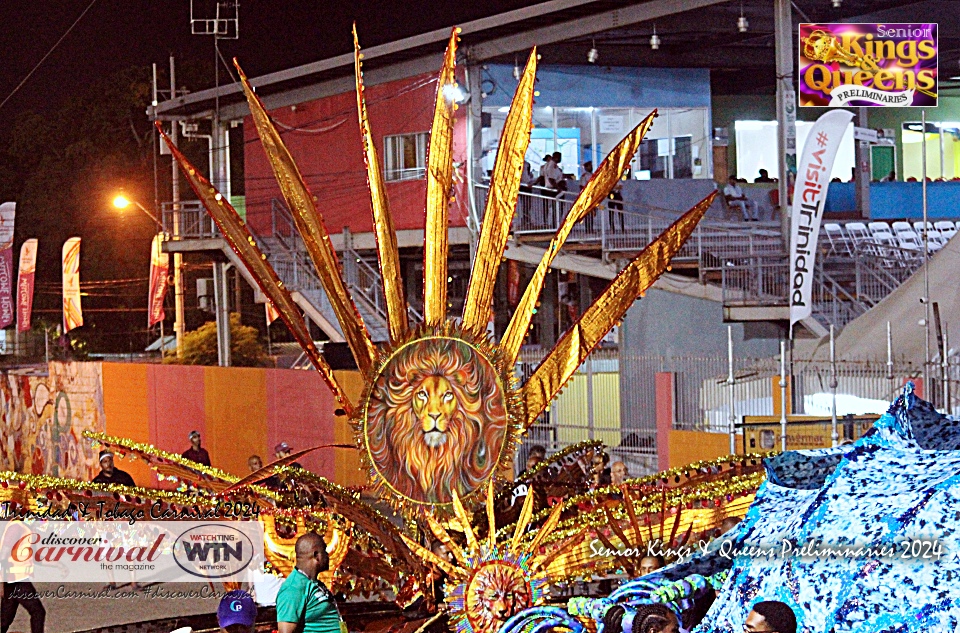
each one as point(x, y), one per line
point(735, 198)
point(587, 174)
point(891, 177)
point(615, 203)
point(544, 168)
point(196, 453)
point(526, 176)
point(553, 175)
point(764, 177)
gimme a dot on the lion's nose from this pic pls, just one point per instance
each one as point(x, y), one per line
point(434, 416)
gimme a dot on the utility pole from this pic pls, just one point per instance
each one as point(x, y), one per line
point(786, 108)
point(178, 323)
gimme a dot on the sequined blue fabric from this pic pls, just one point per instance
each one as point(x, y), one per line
point(880, 521)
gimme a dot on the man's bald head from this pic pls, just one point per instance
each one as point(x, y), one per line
point(312, 556)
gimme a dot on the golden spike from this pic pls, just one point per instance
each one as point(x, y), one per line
point(241, 241)
point(547, 528)
point(526, 513)
point(444, 537)
point(312, 231)
point(574, 346)
point(600, 185)
point(491, 518)
point(439, 180)
point(501, 201)
point(615, 526)
point(555, 551)
point(446, 566)
point(631, 512)
point(386, 236)
point(464, 519)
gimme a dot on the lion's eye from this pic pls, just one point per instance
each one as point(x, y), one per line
point(422, 395)
point(447, 397)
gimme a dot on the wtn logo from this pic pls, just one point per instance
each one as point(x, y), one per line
point(221, 551)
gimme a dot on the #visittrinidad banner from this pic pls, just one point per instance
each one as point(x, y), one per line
point(875, 65)
point(72, 313)
point(8, 212)
point(28, 268)
point(813, 176)
point(159, 268)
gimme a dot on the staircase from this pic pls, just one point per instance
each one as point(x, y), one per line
point(288, 256)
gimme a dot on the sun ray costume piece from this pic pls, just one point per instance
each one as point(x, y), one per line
point(442, 413)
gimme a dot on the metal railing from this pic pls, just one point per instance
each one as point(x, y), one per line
point(618, 226)
point(187, 220)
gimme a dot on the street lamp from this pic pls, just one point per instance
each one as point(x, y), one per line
point(122, 202)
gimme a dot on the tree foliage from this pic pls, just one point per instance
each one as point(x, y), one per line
point(200, 346)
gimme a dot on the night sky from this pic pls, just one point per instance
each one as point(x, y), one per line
point(75, 134)
point(274, 35)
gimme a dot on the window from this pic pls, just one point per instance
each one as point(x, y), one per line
point(406, 156)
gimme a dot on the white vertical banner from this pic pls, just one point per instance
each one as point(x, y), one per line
point(809, 197)
point(8, 213)
point(272, 314)
point(72, 313)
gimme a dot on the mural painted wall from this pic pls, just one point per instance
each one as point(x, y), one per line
point(43, 418)
point(238, 411)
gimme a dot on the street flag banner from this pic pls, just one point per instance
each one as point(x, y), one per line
point(8, 213)
point(129, 551)
point(159, 269)
point(72, 313)
point(871, 65)
point(272, 314)
point(25, 275)
point(810, 193)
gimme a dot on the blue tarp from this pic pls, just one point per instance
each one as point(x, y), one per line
point(899, 200)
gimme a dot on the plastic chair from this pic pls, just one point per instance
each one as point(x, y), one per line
point(903, 226)
point(835, 236)
point(877, 228)
point(946, 228)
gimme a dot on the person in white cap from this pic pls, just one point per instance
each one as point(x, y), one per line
point(109, 474)
point(196, 453)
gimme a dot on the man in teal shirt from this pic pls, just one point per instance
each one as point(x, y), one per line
point(304, 604)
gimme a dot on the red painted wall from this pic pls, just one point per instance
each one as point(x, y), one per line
point(324, 138)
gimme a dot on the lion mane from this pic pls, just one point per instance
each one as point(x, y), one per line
point(475, 432)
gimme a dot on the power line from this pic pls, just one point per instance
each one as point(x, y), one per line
point(50, 52)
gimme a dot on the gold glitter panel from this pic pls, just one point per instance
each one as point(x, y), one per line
point(501, 201)
point(439, 180)
point(387, 253)
point(571, 350)
point(310, 226)
point(241, 241)
point(599, 187)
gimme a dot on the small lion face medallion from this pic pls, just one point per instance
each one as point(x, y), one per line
point(435, 420)
point(496, 592)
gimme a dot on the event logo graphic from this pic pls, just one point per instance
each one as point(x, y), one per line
point(893, 65)
point(436, 420)
point(142, 551)
point(213, 550)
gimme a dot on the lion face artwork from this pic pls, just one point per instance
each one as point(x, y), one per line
point(496, 592)
point(435, 420)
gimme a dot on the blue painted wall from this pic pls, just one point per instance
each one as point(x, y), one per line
point(604, 86)
point(899, 200)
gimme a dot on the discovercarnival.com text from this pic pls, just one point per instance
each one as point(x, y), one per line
point(156, 592)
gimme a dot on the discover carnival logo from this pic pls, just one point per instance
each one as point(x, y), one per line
point(143, 552)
